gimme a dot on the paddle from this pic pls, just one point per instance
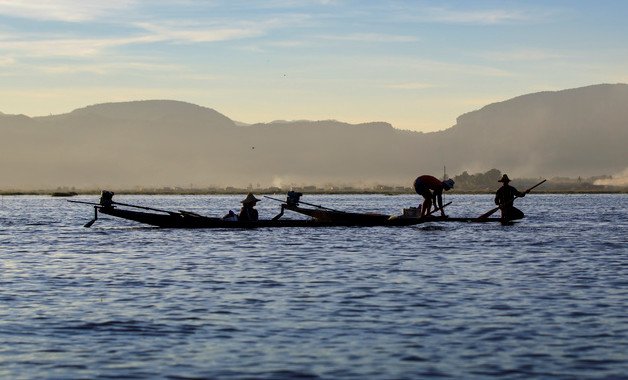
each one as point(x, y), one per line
point(437, 209)
point(483, 217)
point(89, 224)
point(97, 205)
point(305, 203)
point(128, 205)
point(146, 208)
point(87, 203)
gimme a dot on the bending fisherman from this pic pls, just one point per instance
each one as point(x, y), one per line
point(431, 189)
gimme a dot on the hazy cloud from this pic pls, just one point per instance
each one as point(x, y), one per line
point(482, 17)
point(66, 47)
point(106, 68)
point(4, 61)
point(83, 47)
point(288, 43)
point(372, 37)
point(61, 10)
point(194, 32)
point(411, 86)
point(523, 55)
point(427, 65)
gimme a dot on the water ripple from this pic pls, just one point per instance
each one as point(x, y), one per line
point(544, 298)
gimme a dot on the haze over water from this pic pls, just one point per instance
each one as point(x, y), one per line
point(544, 298)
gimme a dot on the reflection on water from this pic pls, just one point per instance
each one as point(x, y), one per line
point(545, 297)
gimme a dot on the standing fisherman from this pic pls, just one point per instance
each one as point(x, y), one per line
point(504, 198)
point(423, 185)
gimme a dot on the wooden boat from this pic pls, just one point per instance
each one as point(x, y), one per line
point(329, 215)
point(191, 220)
point(185, 219)
point(336, 216)
point(332, 216)
point(319, 217)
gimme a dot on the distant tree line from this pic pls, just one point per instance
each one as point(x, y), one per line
point(487, 182)
point(478, 182)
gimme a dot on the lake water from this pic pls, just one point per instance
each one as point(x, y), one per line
point(544, 298)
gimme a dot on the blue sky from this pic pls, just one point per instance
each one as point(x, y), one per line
point(415, 64)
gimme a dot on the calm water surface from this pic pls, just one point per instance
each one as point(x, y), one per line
point(544, 298)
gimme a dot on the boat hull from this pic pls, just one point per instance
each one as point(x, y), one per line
point(186, 220)
point(334, 216)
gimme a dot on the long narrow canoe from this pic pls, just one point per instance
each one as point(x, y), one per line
point(334, 216)
point(189, 220)
point(320, 217)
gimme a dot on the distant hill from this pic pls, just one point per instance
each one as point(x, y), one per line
point(577, 132)
point(573, 132)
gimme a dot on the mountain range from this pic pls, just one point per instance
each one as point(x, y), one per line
point(574, 132)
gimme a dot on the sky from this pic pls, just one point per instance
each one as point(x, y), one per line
point(415, 64)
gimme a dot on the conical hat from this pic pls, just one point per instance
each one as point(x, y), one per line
point(250, 199)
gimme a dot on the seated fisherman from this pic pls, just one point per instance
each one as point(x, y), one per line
point(248, 213)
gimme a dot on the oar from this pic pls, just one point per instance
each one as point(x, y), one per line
point(483, 217)
point(87, 203)
point(146, 208)
point(438, 208)
point(126, 204)
point(97, 205)
point(305, 203)
point(89, 224)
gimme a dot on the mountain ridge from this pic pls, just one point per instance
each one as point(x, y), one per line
point(573, 132)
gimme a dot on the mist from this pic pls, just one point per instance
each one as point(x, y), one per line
point(159, 143)
point(617, 180)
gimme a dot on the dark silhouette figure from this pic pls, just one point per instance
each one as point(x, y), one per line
point(431, 189)
point(504, 198)
point(248, 213)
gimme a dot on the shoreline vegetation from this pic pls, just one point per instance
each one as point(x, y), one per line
point(387, 190)
point(265, 191)
point(480, 183)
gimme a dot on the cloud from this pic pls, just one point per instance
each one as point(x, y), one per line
point(6, 61)
point(481, 17)
point(194, 33)
point(148, 26)
point(484, 17)
point(288, 44)
point(411, 86)
point(440, 66)
point(61, 10)
point(106, 68)
point(523, 55)
point(59, 47)
point(372, 37)
point(34, 46)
